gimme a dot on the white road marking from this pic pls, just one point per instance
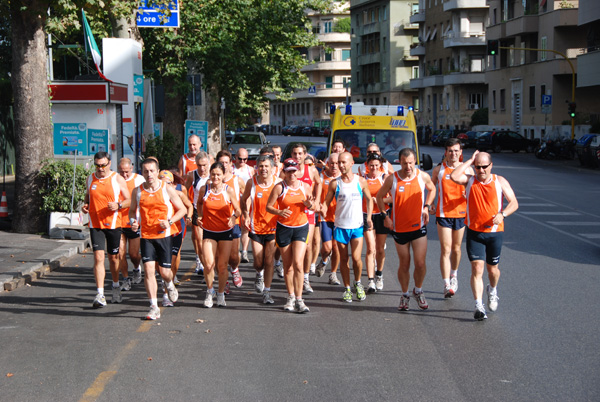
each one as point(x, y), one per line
point(590, 235)
point(571, 223)
point(579, 238)
point(555, 213)
point(533, 204)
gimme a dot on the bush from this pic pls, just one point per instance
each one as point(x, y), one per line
point(479, 117)
point(57, 185)
point(167, 150)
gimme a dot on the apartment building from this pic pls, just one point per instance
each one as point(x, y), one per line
point(451, 48)
point(382, 35)
point(523, 82)
point(329, 71)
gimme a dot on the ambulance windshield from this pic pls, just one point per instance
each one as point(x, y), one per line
point(390, 142)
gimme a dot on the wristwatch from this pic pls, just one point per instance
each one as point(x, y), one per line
point(119, 204)
point(427, 206)
point(504, 214)
point(169, 222)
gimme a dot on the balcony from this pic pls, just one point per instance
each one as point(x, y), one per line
point(433, 81)
point(370, 58)
point(416, 83)
point(373, 27)
point(464, 39)
point(521, 25)
point(497, 31)
point(588, 73)
point(464, 4)
point(465, 78)
point(327, 65)
point(409, 57)
point(418, 17)
point(333, 37)
point(418, 51)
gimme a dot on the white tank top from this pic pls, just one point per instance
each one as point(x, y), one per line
point(243, 173)
point(348, 212)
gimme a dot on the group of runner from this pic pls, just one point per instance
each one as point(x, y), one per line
point(291, 214)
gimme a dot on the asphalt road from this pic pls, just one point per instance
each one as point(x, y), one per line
point(541, 344)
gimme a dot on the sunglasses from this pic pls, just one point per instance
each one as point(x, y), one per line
point(373, 156)
point(242, 159)
point(477, 167)
point(372, 152)
point(101, 166)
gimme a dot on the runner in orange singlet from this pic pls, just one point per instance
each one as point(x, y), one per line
point(278, 169)
point(293, 198)
point(261, 224)
point(485, 224)
point(106, 193)
point(159, 208)
point(218, 209)
point(187, 163)
point(409, 222)
point(194, 181)
point(128, 236)
point(450, 210)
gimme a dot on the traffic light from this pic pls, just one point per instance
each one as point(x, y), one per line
point(493, 47)
point(572, 106)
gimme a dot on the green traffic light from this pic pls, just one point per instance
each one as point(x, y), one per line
point(493, 52)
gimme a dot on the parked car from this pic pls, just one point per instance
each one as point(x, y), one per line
point(316, 147)
point(584, 150)
point(251, 140)
point(228, 136)
point(472, 137)
point(463, 138)
point(441, 137)
point(285, 130)
point(435, 137)
point(312, 131)
point(498, 141)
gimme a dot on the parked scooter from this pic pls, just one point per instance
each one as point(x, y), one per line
point(561, 148)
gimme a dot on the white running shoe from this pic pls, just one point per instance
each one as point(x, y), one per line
point(99, 301)
point(166, 302)
point(301, 307)
point(279, 268)
point(371, 288)
point(267, 299)
point(333, 279)
point(221, 300)
point(454, 283)
point(307, 287)
point(320, 268)
point(116, 295)
point(290, 303)
point(126, 284)
point(208, 299)
point(379, 282)
point(259, 283)
point(492, 299)
point(244, 258)
point(313, 268)
point(172, 292)
point(137, 276)
point(176, 281)
point(154, 313)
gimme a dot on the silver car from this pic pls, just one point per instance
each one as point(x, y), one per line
point(252, 141)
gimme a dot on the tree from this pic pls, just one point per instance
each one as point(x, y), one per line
point(479, 117)
point(342, 25)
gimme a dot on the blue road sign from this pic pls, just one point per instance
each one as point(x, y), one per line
point(312, 90)
point(546, 99)
point(149, 17)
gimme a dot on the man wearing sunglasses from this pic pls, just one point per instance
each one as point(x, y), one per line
point(485, 224)
point(102, 202)
point(244, 172)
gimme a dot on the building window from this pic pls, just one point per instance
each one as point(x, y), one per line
point(385, 100)
point(328, 107)
point(345, 54)
point(328, 82)
point(358, 49)
point(503, 99)
point(475, 101)
point(532, 97)
point(303, 110)
point(447, 101)
point(429, 102)
point(542, 92)
point(384, 8)
point(415, 72)
point(415, 101)
point(328, 56)
point(494, 100)
point(327, 26)
point(543, 46)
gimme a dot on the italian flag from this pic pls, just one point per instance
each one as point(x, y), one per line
point(91, 45)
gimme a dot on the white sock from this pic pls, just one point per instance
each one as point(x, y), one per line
point(418, 290)
point(405, 294)
point(313, 266)
point(306, 277)
point(266, 289)
point(356, 282)
point(447, 281)
point(221, 294)
point(153, 302)
point(453, 272)
point(493, 291)
point(116, 284)
point(100, 291)
point(261, 273)
point(169, 285)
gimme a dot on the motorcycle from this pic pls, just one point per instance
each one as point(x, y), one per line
point(562, 148)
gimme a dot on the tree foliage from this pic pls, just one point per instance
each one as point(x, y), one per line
point(343, 25)
point(479, 117)
point(166, 150)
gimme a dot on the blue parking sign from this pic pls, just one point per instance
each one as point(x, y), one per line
point(546, 99)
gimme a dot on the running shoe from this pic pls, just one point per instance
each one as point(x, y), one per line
point(371, 286)
point(245, 257)
point(116, 295)
point(492, 299)
point(208, 299)
point(259, 283)
point(480, 314)
point(333, 279)
point(126, 285)
point(301, 307)
point(454, 283)
point(176, 281)
point(199, 267)
point(320, 268)
point(404, 300)
point(267, 299)
point(307, 287)
point(448, 291)
point(172, 293)
point(379, 282)
point(221, 300)
point(347, 296)
point(99, 301)
point(421, 302)
point(166, 302)
point(227, 290)
point(313, 268)
point(360, 291)
point(237, 278)
point(137, 276)
point(154, 313)
point(279, 268)
point(290, 303)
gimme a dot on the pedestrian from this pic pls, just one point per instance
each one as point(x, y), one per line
point(106, 194)
point(485, 224)
point(187, 162)
point(329, 249)
point(385, 167)
point(408, 223)
point(375, 238)
point(244, 172)
point(450, 211)
point(159, 208)
point(218, 210)
point(349, 191)
point(172, 179)
point(293, 198)
point(194, 181)
point(130, 240)
point(261, 224)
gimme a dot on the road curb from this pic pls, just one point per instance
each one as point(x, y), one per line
point(46, 263)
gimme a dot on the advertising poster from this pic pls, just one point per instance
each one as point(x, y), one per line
point(97, 140)
point(70, 139)
point(195, 127)
point(129, 141)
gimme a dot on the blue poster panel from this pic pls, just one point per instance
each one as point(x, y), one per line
point(70, 139)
